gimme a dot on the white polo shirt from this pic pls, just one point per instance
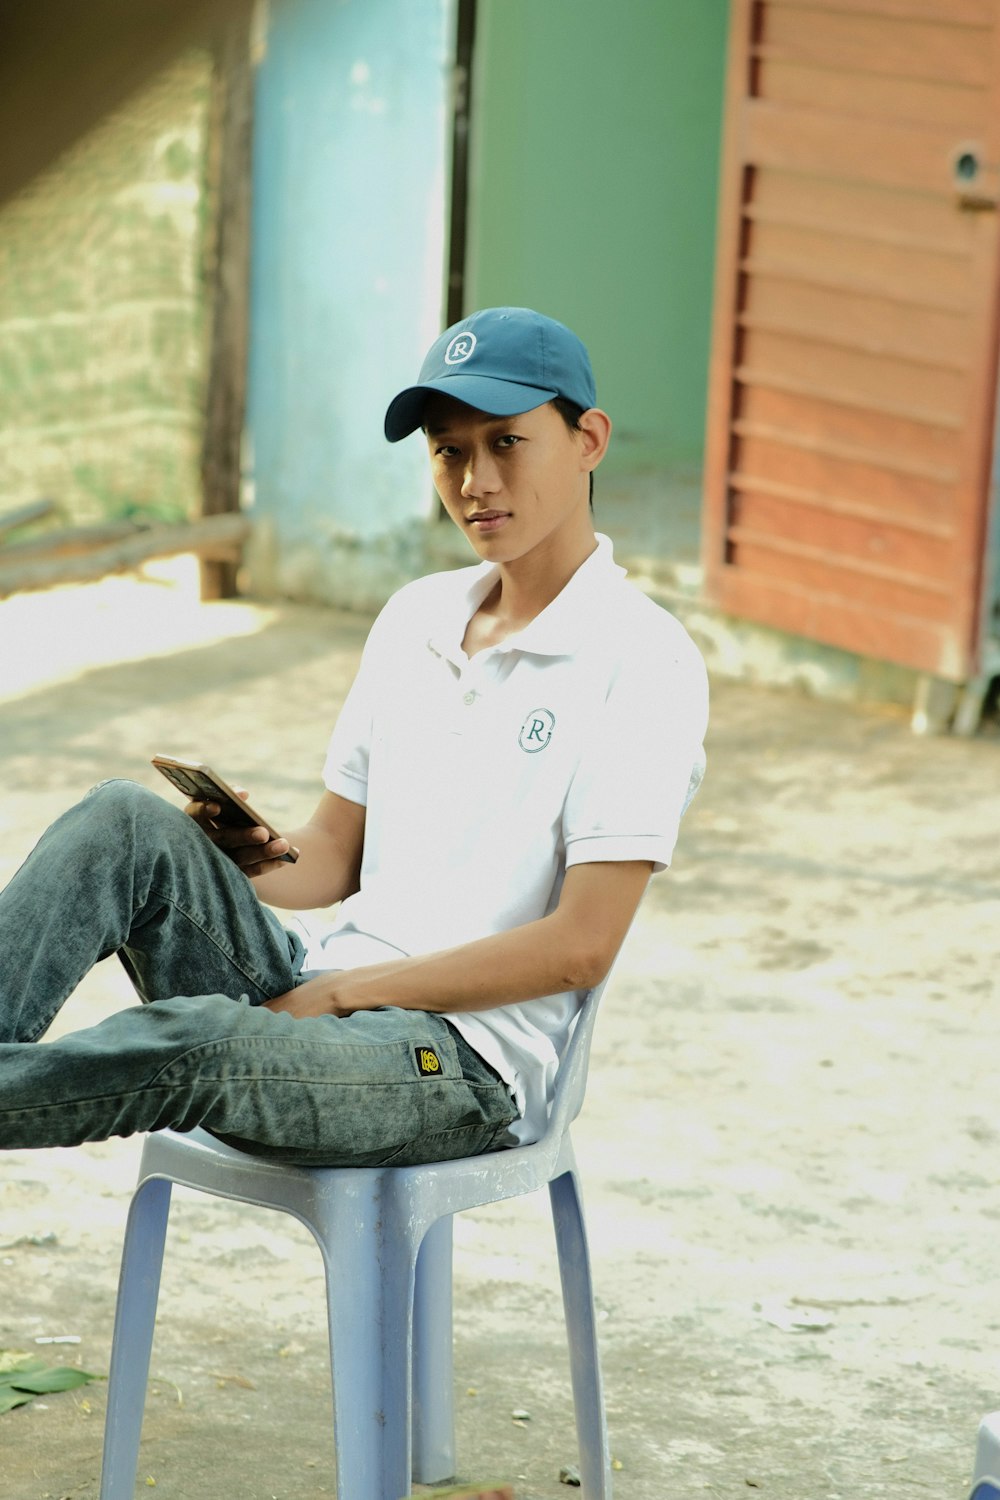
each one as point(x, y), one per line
point(578, 739)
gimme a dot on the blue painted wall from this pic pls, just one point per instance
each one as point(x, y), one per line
point(350, 153)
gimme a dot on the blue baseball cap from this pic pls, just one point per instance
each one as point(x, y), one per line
point(502, 360)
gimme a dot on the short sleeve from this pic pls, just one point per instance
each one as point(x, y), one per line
point(345, 770)
point(644, 760)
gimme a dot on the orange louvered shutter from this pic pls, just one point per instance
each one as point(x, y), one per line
point(854, 360)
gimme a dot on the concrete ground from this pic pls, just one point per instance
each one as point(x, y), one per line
point(790, 1143)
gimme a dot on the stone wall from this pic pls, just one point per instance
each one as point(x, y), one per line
point(102, 317)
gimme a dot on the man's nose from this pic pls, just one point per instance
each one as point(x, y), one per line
point(481, 475)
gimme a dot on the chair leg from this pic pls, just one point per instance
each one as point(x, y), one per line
point(581, 1329)
point(433, 1385)
point(370, 1269)
point(135, 1319)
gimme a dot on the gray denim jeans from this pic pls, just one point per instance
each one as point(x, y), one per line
point(126, 872)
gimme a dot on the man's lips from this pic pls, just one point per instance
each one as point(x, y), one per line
point(486, 521)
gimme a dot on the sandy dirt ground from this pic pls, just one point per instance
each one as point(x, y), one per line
point(790, 1146)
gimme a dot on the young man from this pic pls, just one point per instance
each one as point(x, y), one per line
point(510, 765)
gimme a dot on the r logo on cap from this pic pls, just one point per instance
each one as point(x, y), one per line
point(460, 348)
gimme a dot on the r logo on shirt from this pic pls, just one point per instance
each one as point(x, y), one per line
point(536, 731)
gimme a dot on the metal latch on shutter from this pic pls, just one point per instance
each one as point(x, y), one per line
point(976, 182)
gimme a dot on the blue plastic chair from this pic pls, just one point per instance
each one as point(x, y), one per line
point(385, 1236)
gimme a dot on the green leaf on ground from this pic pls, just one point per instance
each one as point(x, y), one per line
point(25, 1376)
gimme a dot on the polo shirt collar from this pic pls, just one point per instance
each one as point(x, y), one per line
point(557, 631)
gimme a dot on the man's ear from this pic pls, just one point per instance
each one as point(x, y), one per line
point(595, 434)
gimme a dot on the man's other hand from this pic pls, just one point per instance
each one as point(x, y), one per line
point(314, 998)
point(252, 849)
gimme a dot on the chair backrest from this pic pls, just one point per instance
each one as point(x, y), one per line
point(571, 1079)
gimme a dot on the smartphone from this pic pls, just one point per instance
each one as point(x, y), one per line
point(201, 784)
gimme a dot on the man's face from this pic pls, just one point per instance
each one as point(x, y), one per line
point(510, 484)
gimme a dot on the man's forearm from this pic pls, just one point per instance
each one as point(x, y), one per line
point(540, 958)
point(571, 949)
point(323, 873)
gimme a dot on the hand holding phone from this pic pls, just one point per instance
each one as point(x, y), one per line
point(199, 783)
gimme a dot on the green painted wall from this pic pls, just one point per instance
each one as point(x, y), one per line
point(595, 145)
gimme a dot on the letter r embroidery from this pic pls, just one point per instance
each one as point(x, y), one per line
point(536, 731)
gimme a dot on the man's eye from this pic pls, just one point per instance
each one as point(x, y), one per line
point(508, 440)
point(446, 450)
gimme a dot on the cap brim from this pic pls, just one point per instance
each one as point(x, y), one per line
point(499, 398)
